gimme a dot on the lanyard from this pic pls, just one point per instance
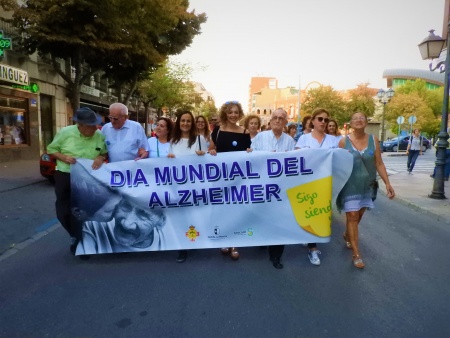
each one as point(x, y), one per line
point(320, 146)
point(157, 147)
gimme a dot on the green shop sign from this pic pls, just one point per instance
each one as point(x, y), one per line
point(33, 87)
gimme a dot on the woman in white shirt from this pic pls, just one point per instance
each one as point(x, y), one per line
point(185, 141)
point(316, 139)
point(159, 144)
point(203, 128)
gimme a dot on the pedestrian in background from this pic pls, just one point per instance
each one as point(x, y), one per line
point(292, 130)
point(360, 190)
point(447, 163)
point(125, 139)
point(229, 136)
point(414, 149)
point(202, 124)
point(82, 140)
point(306, 124)
point(252, 123)
point(333, 129)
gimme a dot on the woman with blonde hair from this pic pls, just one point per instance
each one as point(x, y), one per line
point(229, 136)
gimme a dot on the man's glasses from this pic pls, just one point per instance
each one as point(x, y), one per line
point(323, 119)
point(361, 118)
point(114, 118)
point(277, 118)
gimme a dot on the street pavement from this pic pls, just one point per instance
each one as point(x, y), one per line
point(413, 190)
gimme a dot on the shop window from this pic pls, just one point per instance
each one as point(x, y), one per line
point(13, 115)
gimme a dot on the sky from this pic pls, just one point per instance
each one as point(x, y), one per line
point(340, 43)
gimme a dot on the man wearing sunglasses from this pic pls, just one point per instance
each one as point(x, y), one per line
point(125, 139)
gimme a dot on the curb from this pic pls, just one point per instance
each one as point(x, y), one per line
point(418, 208)
point(15, 248)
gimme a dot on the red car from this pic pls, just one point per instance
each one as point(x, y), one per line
point(47, 166)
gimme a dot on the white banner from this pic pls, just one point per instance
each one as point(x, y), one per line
point(230, 200)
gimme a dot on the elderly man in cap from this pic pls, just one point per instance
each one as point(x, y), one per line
point(125, 139)
point(82, 140)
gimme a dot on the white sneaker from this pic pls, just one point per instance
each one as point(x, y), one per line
point(314, 257)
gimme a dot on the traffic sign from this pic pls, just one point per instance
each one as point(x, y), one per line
point(400, 119)
point(412, 119)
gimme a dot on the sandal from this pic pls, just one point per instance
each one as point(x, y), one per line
point(347, 242)
point(234, 254)
point(358, 262)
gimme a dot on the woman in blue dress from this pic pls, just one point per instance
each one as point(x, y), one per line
point(359, 192)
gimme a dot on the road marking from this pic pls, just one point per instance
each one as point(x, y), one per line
point(47, 225)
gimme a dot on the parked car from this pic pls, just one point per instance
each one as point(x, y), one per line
point(47, 166)
point(402, 143)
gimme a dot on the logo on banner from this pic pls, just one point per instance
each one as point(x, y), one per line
point(216, 234)
point(192, 234)
point(248, 232)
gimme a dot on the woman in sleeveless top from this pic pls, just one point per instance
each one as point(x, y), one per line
point(229, 136)
point(357, 194)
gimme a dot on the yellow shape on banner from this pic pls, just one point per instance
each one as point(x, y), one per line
point(311, 204)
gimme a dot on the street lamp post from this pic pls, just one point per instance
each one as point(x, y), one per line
point(430, 48)
point(384, 97)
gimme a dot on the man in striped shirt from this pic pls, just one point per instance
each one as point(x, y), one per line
point(277, 141)
point(125, 139)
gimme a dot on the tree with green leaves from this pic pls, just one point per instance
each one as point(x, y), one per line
point(431, 97)
point(168, 87)
point(328, 98)
point(125, 39)
point(414, 98)
point(361, 99)
point(408, 105)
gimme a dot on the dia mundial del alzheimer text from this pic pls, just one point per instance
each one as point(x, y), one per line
point(202, 173)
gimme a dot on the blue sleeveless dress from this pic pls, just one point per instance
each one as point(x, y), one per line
point(357, 192)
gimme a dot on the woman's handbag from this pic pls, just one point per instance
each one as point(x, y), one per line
point(375, 187)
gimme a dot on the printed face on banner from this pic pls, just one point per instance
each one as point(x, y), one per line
point(134, 226)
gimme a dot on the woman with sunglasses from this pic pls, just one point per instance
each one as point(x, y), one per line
point(159, 144)
point(359, 192)
point(185, 141)
point(229, 136)
point(316, 139)
point(202, 125)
